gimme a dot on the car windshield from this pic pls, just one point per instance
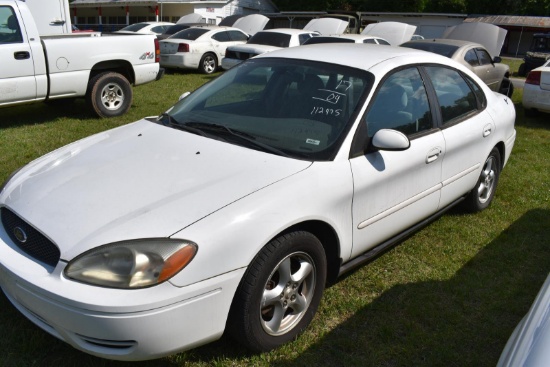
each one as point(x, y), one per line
point(190, 33)
point(270, 39)
point(134, 27)
point(321, 39)
point(176, 28)
point(438, 48)
point(296, 108)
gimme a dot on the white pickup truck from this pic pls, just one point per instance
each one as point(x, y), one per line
point(99, 67)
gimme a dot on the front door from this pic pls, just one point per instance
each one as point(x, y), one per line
point(17, 80)
point(393, 190)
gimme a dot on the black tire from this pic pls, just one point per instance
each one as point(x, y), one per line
point(208, 63)
point(506, 87)
point(482, 194)
point(109, 94)
point(521, 70)
point(270, 308)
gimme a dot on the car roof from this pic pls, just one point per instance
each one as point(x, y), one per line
point(291, 31)
point(352, 36)
point(356, 55)
point(446, 41)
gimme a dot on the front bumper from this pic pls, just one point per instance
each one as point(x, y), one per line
point(116, 324)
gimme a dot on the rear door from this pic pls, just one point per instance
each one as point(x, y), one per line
point(17, 79)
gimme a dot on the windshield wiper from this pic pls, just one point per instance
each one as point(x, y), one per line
point(243, 136)
point(169, 120)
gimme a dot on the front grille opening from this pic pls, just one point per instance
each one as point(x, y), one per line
point(28, 239)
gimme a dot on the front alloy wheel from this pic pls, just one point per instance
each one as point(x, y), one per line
point(287, 293)
point(279, 293)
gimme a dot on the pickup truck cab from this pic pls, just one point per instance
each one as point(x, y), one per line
point(98, 67)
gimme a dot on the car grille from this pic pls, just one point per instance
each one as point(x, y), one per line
point(32, 242)
point(239, 55)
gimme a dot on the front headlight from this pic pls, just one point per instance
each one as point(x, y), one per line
point(132, 264)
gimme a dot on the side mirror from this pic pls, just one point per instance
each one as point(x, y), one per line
point(184, 95)
point(497, 59)
point(387, 139)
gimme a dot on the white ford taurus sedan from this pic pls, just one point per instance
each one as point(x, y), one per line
point(231, 210)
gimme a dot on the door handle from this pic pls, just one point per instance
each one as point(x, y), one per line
point(487, 130)
point(433, 154)
point(21, 55)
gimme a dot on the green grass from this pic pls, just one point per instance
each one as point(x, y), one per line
point(448, 296)
point(514, 64)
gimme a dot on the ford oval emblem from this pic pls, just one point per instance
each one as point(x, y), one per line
point(20, 234)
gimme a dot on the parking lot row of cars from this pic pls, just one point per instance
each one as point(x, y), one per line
point(206, 47)
point(269, 182)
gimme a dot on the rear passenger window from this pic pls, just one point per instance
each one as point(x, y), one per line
point(221, 37)
point(238, 36)
point(401, 104)
point(456, 97)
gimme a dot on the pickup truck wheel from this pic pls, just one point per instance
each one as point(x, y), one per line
point(279, 293)
point(208, 63)
point(109, 94)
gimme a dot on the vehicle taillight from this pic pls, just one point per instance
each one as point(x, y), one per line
point(533, 78)
point(183, 47)
point(157, 50)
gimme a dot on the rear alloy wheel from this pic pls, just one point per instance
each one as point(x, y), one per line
point(109, 94)
point(208, 63)
point(279, 293)
point(482, 194)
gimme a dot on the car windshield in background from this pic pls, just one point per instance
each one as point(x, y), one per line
point(134, 27)
point(297, 108)
point(190, 33)
point(438, 48)
point(270, 39)
point(321, 39)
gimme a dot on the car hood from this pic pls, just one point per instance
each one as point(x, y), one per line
point(326, 26)
point(142, 180)
point(251, 24)
point(190, 18)
point(488, 35)
point(395, 33)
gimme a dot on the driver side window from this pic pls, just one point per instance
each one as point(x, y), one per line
point(10, 31)
point(400, 104)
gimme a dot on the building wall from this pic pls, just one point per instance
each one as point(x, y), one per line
point(114, 17)
point(428, 25)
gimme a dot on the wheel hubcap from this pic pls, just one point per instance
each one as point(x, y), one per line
point(287, 293)
point(112, 96)
point(487, 180)
point(209, 64)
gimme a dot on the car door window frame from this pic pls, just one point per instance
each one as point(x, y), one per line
point(16, 36)
point(480, 99)
point(362, 143)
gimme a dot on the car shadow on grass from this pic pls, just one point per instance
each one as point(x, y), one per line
point(463, 321)
point(38, 113)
